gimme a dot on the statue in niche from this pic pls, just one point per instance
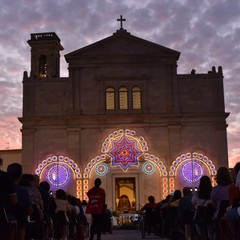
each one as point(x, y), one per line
point(124, 204)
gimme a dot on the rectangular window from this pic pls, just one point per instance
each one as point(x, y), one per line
point(136, 100)
point(123, 97)
point(110, 103)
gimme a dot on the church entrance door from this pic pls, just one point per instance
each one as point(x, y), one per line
point(125, 194)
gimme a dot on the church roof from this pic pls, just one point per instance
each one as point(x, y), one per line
point(122, 42)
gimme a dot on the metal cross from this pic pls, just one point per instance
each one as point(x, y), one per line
point(121, 21)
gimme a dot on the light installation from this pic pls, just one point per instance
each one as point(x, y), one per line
point(59, 171)
point(101, 169)
point(117, 150)
point(58, 175)
point(192, 171)
point(148, 168)
point(191, 166)
point(124, 147)
point(130, 134)
point(92, 163)
point(162, 170)
point(124, 152)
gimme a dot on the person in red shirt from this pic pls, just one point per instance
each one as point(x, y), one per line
point(152, 214)
point(95, 207)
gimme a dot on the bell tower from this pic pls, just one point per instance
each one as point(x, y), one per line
point(45, 55)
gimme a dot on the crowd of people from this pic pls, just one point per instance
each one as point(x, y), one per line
point(29, 210)
point(205, 213)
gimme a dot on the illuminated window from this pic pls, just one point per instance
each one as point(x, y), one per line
point(123, 98)
point(110, 97)
point(136, 98)
point(43, 66)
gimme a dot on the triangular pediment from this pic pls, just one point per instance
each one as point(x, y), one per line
point(123, 43)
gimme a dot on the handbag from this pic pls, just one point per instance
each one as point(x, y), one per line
point(6, 217)
point(3, 216)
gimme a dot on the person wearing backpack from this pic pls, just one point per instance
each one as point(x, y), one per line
point(202, 203)
point(185, 212)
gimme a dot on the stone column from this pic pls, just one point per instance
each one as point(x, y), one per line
point(28, 157)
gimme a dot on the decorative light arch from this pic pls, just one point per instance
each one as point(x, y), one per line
point(162, 171)
point(124, 149)
point(59, 165)
point(87, 172)
point(191, 168)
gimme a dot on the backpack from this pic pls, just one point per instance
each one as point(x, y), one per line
point(204, 214)
point(187, 216)
point(37, 214)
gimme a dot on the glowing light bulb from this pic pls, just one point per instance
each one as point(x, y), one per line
point(54, 176)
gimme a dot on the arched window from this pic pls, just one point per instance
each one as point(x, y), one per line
point(136, 98)
point(110, 98)
point(42, 66)
point(123, 98)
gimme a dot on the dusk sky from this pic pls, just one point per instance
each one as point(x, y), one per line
point(206, 32)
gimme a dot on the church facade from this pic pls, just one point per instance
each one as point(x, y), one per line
point(124, 115)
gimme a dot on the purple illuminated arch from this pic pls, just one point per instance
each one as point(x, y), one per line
point(58, 171)
point(191, 166)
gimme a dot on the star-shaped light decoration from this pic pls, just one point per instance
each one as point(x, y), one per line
point(124, 152)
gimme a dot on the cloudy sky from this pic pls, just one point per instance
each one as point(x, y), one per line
point(206, 32)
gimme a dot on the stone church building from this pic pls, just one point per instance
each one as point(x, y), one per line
point(124, 115)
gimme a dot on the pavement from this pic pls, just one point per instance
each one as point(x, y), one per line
point(127, 235)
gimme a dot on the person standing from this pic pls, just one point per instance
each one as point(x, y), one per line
point(220, 197)
point(186, 211)
point(95, 207)
point(202, 199)
point(8, 198)
point(23, 208)
point(61, 220)
point(152, 214)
